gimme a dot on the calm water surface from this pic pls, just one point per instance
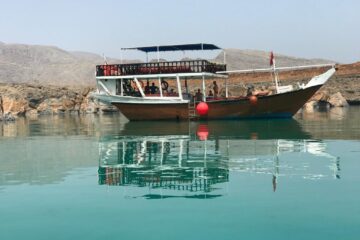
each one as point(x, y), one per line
point(101, 177)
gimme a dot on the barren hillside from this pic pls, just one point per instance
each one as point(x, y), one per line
point(46, 65)
point(248, 59)
point(49, 65)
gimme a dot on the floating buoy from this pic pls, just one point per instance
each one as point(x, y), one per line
point(253, 100)
point(202, 108)
point(202, 132)
point(254, 136)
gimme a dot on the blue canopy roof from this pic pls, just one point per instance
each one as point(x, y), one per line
point(182, 47)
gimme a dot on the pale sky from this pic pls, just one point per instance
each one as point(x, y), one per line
point(311, 29)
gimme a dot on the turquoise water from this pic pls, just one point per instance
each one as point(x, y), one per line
point(93, 177)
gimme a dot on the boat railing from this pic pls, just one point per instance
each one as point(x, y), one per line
point(191, 66)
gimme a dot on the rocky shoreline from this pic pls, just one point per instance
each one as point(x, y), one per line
point(32, 100)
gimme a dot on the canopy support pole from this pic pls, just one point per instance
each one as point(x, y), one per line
point(202, 50)
point(139, 87)
point(158, 54)
point(179, 86)
point(160, 88)
point(121, 87)
point(226, 88)
point(203, 88)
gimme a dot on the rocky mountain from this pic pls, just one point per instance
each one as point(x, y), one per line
point(49, 65)
point(44, 65)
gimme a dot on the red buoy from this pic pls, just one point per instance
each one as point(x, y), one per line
point(202, 132)
point(254, 136)
point(253, 100)
point(202, 108)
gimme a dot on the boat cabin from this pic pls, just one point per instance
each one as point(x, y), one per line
point(161, 79)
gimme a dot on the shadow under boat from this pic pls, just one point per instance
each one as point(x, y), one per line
point(246, 129)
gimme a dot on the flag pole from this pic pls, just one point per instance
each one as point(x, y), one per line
point(276, 77)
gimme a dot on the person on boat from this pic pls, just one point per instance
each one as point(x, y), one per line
point(216, 89)
point(172, 92)
point(263, 91)
point(153, 88)
point(147, 87)
point(250, 90)
point(198, 96)
point(210, 95)
point(136, 92)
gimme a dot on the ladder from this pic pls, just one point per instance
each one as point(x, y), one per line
point(192, 110)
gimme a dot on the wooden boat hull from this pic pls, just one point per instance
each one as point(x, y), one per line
point(283, 105)
point(144, 111)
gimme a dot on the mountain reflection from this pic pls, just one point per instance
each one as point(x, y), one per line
point(195, 160)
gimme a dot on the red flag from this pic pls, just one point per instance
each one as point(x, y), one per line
point(271, 58)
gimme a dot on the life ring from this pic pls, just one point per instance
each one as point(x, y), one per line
point(164, 85)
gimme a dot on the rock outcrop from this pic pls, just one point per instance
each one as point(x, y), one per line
point(30, 100)
point(7, 117)
point(337, 100)
point(322, 98)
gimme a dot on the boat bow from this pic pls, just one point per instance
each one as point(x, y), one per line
point(321, 79)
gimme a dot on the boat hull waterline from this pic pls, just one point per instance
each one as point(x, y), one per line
point(283, 105)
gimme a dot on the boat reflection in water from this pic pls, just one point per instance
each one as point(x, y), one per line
point(195, 159)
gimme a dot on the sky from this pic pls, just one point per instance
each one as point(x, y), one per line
point(310, 29)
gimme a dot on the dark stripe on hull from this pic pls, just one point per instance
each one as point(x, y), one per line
point(154, 111)
point(283, 105)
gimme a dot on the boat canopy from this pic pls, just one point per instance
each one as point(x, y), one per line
point(182, 47)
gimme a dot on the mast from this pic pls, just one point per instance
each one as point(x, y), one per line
point(276, 76)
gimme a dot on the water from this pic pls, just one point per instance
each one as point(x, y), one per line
point(93, 177)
